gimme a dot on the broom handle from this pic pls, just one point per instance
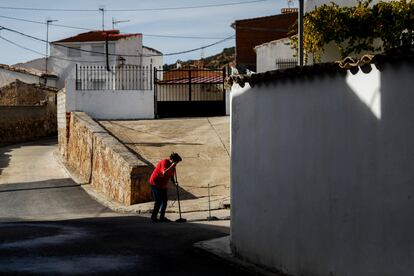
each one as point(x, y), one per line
point(178, 193)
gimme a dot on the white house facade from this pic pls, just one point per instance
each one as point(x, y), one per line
point(152, 58)
point(90, 49)
point(274, 55)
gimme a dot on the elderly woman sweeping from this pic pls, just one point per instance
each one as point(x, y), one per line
point(162, 174)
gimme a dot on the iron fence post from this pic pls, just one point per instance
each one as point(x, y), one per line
point(189, 85)
point(155, 91)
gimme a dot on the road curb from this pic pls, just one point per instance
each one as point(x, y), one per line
point(220, 248)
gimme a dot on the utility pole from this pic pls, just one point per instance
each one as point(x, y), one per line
point(102, 9)
point(300, 32)
point(114, 22)
point(48, 21)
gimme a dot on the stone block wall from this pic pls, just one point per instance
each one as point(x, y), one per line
point(25, 123)
point(26, 94)
point(101, 160)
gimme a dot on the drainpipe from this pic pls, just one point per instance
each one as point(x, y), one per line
point(300, 32)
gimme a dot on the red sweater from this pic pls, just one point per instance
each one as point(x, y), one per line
point(158, 178)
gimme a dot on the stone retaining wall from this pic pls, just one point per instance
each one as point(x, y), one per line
point(25, 123)
point(101, 160)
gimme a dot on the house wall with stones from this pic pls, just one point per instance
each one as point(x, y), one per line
point(27, 112)
point(62, 122)
point(96, 157)
point(21, 93)
point(25, 123)
point(322, 170)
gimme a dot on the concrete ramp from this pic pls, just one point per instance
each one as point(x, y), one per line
point(203, 143)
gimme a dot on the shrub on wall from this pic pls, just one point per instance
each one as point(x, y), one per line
point(355, 29)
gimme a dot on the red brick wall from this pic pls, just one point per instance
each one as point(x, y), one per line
point(256, 31)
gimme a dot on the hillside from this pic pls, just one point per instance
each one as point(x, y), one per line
point(219, 60)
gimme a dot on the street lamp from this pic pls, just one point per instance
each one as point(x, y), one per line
point(48, 21)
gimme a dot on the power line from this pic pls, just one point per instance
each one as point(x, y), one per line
point(42, 54)
point(129, 10)
point(43, 23)
point(90, 29)
point(87, 51)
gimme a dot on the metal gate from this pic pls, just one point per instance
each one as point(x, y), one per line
point(189, 93)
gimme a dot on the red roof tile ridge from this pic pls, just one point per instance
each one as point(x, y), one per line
point(97, 35)
point(265, 17)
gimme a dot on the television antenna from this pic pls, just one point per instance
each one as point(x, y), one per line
point(102, 10)
point(115, 22)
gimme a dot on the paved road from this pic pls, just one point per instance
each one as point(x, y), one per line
point(49, 225)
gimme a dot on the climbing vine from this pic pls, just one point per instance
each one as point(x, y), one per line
point(363, 27)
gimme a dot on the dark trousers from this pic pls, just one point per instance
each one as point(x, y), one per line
point(160, 197)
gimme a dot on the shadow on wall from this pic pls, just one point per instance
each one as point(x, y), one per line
point(339, 170)
point(171, 190)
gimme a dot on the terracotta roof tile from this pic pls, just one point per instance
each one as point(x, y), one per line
point(403, 54)
point(113, 35)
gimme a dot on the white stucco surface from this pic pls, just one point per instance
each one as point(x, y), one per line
point(321, 174)
point(152, 58)
point(111, 104)
point(269, 53)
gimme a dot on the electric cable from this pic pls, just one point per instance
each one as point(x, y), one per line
point(136, 10)
point(90, 29)
point(43, 55)
point(118, 55)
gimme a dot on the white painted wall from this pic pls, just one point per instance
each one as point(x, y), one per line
point(268, 53)
point(8, 76)
point(130, 46)
point(110, 104)
point(152, 61)
point(322, 174)
point(228, 102)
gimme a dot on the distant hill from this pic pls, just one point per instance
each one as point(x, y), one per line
point(220, 60)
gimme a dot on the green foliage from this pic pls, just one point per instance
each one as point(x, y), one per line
point(355, 29)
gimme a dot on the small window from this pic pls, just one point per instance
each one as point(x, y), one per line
point(74, 51)
point(98, 50)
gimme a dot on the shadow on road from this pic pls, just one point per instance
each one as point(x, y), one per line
point(127, 245)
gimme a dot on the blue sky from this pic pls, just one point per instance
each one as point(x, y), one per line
point(206, 22)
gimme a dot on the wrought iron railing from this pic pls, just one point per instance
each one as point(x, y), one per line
point(124, 77)
point(286, 63)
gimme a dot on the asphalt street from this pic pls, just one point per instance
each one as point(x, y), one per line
point(49, 225)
